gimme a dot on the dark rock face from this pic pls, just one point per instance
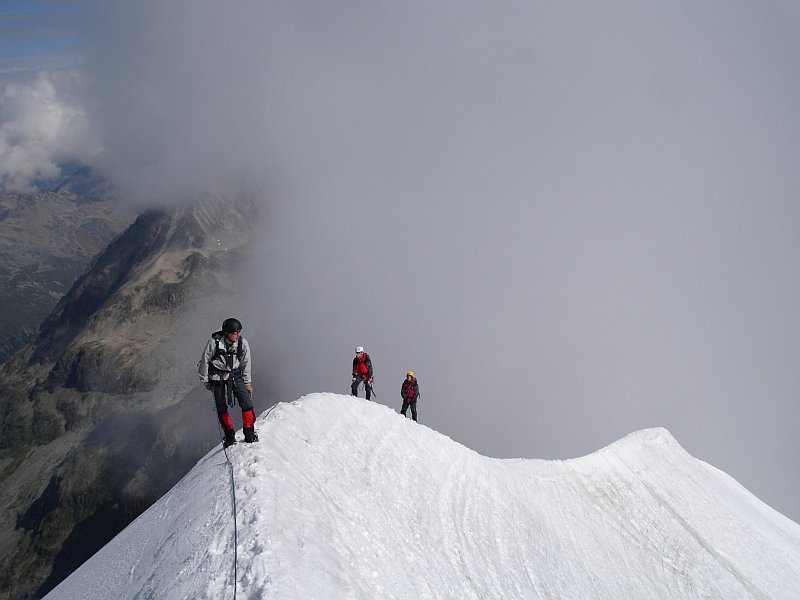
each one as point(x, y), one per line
point(91, 433)
point(96, 368)
point(110, 271)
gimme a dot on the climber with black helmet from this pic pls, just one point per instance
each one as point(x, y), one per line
point(225, 369)
point(362, 371)
point(410, 394)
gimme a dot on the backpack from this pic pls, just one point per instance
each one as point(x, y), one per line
point(219, 352)
point(216, 336)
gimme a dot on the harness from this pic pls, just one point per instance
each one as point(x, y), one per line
point(228, 353)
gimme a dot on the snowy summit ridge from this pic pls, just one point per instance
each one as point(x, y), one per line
point(343, 498)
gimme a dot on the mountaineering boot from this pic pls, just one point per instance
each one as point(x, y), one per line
point(230, 438)
point(250, 435)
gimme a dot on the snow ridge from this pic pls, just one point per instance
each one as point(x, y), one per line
point(343, 498)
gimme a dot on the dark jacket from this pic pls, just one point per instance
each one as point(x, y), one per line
point(410, 390)
point(362, 367)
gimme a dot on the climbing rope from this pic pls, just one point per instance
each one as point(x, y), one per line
point(233, 498)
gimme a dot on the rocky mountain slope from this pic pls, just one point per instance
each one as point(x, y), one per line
point(96, 413)
point(47, 240)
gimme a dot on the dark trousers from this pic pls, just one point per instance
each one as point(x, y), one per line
point(367, 387)
point(222, 389)
point(413, 406)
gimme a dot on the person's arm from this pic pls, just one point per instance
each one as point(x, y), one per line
point(202, 366)
point(246, 367)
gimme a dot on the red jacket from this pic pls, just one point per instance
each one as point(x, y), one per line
point(410, 390)
point(362, 367)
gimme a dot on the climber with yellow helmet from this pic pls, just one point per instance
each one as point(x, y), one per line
point(410, 393)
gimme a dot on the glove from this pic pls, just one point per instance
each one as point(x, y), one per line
point(231, 401)
point(354, 379)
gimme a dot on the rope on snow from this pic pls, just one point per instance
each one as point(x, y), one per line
point(233, 498)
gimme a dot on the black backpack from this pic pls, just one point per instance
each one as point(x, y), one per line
point(217, 335)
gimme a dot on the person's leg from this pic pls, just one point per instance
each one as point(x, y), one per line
point(354, 387)
point(404, 409)
point(414, 411)
point(368, 387)
point(218, 387)
point(248, 414)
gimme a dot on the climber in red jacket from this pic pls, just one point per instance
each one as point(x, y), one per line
point(362, 371)
point(410, 394)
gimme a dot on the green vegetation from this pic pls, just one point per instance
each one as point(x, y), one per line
point(27, 297)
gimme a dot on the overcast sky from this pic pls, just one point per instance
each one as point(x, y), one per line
point(571, 221)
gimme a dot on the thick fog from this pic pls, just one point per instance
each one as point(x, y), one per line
point(571, 221)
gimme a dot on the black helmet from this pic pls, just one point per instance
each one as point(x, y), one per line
point(231, 325)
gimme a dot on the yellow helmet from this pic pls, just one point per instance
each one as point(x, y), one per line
point(410, 373)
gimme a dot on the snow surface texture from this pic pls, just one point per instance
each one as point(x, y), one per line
point(343, 498)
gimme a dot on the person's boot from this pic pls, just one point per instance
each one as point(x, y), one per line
point(250, 435)
point(230, 438)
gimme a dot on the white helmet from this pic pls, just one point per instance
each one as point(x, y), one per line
point(359, 349)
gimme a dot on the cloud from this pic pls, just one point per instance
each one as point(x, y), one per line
point(42, 127)
point(569, 223)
